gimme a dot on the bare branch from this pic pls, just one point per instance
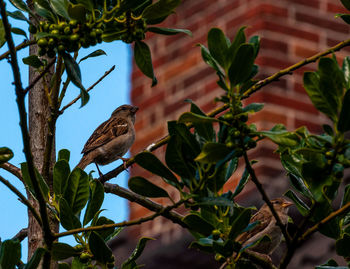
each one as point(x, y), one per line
point(88, 89)
point(23, 45)
point(23, 199)
point(14, 170)
point(21, 235)
point(147, 203)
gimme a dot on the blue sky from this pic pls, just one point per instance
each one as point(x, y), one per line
point(74, 127)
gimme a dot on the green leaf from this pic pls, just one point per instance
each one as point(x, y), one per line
point(242, 183)
point(87, 3)
point(102, 253)
point(241, 67)
point(218, 201)
point(77, 190)
point(240, 223)
point(342, 246)
point(2, 34)
point(43, 11)
point(195, 118)
point(61, 251)
point(344, 118)
point(60, 7)
point(253, 107)
point(20, 5)
point(107, 233)
point(19, 31)
point(18, 15)
point(64, 154)
point(143, 60)
point(35, 259)
point(77, 12)
point(64, 265)
point(150, 162)
point(346, 4)
point(282, 138)
point(168, 31)
point(73, 72)
point(198, 224)
point(95, 200)
point(209, 60)
point(301, 206)
point(346, 197)
point(218, 46)
point(137, 252)
point(159, 10)
point(67, 218)
point(232, 167)
point(61, 173)
point(237, 42)
point(33, 60)
point(10, 254)
point(346, 71)
point(143, 187)
point(255, 40)
point(76, 264)
point(42, 183)
point(6, 154)
point(212, 152)
point(96, 53)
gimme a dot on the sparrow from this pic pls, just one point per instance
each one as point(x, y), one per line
point(111, 140)
point(267, 226)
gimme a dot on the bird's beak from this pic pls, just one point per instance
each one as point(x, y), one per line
point(287, 204)
point(134, 109)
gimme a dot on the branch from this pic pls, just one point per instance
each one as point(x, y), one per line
point(162, 211)
point(23, 199)
point(266, 199)
point(88, 89)
point(257, 259)
point(21, 235)
point(294, 67)
point(331, 216)
point(14, 170)
point(147, 203)
point(35, 81)
point(24, 125)
point(23, 45)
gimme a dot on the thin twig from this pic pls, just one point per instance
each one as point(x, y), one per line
point(161, 212)
point(23, 45)
point(88, 89)
point(23, 199)
point(35, 81)
point(21, 235)
point(147, 203)
point(14, 170)
point(260, 188)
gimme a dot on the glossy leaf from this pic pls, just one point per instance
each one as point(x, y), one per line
point(73, 72)
point(344, 118)
point(61, 251)
point(64, 154)
point(20, 5)
point(96, 53)
point(346, 4)
point(342, 246)
point(346, 197)
point(137, 252)
point(240, 223)
point(64, 265)
point(301, 206)
point(67, 218)
point(196, 118)
point(10, 254)
point(218, 201)
point(33, 60)
point(159, 10)
point(204, 129)
point(146, 188)
point(34, 261)
point(150, 162)
point(237, 42)
point(346, 71)
point(209, 60)
point(2, 34)
point(232, 167)
point(60, 7)
point(104, 234)
point(168, 31)
point(255, 41)
point(99, 249)
point(212, 152)
point(95, 200)
point(253, 107)
point(42, 183)
point(19, 31)
point(143, 60)
point(218, 46)
point(86, 3)
point(43, 11)
point(61, 173)
point(77, 190)
point(282, 138)
point(6, 154)
point(243, 181)
point(198, 224)
point(191, 145)
point(77, 12)
point(241, 68)
point(18, 15)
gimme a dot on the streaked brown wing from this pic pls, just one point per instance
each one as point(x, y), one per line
point(106, 132)
point(264, 220)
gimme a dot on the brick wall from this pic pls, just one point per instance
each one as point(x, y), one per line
point(290, 30)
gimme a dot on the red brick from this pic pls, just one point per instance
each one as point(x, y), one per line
point(312, 126)
point(304, 51)
point(336, 8)
point(310, 3)
point(275, 45)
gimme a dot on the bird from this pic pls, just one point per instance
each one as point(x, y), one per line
point(266, 226)
point(111, 140)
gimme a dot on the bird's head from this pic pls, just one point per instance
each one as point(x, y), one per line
point(125, 111)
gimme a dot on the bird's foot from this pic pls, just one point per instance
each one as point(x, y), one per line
point(99, 171)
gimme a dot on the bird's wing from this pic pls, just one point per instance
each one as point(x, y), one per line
point(263, 218)
point(106, 132)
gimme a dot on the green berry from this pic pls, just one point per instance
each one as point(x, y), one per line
point(51, 53)
point(67, 30)
point(73, 23)
point(32, 29)
point(55, 32)
point(243, 117)
point(42, 51)
point(84, 257)
point(42, 42)
point(216, 234)
point(74, 37)
point(61, 48)
point(338, 170)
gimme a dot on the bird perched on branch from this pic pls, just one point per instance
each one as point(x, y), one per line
point(112, 139)
point(267, 226)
